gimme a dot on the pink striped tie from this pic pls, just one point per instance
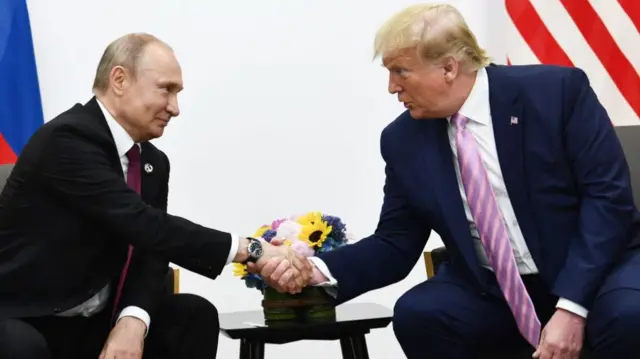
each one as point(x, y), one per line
point(493, 232)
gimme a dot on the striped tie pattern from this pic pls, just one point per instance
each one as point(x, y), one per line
point(493, 232)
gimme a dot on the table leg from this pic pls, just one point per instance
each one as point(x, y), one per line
point(354, 347)
point(251, 349)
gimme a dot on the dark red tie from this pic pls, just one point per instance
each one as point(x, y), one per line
point(134, 181)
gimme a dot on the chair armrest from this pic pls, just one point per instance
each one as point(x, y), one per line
point(172, 280)
point(433, 259)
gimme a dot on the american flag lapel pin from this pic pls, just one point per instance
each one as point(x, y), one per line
point(514, 120)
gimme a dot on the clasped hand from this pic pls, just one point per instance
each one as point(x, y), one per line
point(282, 268)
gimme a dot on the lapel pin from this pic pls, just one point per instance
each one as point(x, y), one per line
point(514, 120)
point(148, 168)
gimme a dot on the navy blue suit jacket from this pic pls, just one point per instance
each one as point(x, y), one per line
point(565, 173)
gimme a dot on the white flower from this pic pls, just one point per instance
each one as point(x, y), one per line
point(289, 230)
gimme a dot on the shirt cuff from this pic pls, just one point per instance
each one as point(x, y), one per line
point(572, 307)
point(331, 285)
point(235, 242)
point(139, 313)
point(322, 268)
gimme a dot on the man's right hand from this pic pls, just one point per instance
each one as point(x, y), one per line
point(126, 340)
point(282, 268)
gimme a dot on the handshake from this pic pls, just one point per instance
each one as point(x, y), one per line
point(283, 268)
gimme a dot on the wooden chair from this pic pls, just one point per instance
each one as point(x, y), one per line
point(173, 280)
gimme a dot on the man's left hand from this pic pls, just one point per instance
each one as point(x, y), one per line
point(562, 337)
point(126, 340)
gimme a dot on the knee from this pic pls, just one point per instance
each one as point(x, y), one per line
point(19, 340)
point(615, 322)
point(624, 322)
point(411, 314)
point(404, 314)
point(201, 309)
point(627, 321)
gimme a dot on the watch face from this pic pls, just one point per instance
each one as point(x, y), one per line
point(255, 249)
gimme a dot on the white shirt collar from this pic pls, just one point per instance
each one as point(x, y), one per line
point(121, 137)
point(477, 108)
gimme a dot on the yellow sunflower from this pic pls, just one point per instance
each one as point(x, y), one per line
point(314, 229)
point(309, 218)
point(261, 230)
point(239, 270)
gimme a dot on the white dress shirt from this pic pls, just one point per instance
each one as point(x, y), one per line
point(95, 304)
point(477, 109)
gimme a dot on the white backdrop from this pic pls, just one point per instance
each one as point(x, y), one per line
point(281, 113)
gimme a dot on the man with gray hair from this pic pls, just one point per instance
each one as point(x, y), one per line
point(520, 172)
point(85, 239)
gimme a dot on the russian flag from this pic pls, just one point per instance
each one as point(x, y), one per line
point(20, 104)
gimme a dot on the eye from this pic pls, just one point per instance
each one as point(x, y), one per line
point(402, 72)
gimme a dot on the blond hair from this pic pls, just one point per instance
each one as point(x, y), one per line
point(126, 51)
point(436, 31)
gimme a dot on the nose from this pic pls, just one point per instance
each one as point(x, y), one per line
point(393, 86)
point(172, 106)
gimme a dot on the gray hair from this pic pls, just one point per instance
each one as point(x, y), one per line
point(125, 51)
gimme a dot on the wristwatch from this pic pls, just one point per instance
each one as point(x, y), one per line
point(254, 250)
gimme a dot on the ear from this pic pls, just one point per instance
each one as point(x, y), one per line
point(118, 80)
point(451, 68)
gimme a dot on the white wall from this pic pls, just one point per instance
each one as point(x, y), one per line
point(282, 113)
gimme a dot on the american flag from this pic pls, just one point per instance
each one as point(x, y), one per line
point(602, 37)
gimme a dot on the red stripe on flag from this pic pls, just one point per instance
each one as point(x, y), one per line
point(7, 155)
point(632, 8)
point(604, 46)
point(535, 33)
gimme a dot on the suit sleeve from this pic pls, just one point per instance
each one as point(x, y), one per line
point(75, 169)
point(145, 284)
point(389, 254)
point(606, 206)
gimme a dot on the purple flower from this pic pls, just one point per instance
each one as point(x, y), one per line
point(338, 228)
point(268, 235)
point(254, 281)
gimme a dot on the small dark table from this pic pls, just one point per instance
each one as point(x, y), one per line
point(353, 321)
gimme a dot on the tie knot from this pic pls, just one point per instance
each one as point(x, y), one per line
point(459, 120)
point(134, 154)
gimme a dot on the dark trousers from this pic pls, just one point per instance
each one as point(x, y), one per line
point(447, 319)
point(185, 326)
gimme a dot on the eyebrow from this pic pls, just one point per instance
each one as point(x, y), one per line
point(172, 84)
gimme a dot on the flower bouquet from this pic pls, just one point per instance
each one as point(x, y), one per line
point(308, 235)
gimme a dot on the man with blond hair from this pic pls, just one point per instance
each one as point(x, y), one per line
point(519, 171)
point(85, 239)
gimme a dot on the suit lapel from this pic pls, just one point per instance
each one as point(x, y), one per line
point(509, 123)
point(441, 176)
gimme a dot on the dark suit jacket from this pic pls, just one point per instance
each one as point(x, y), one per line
point(67, 217)
point(565, 173)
